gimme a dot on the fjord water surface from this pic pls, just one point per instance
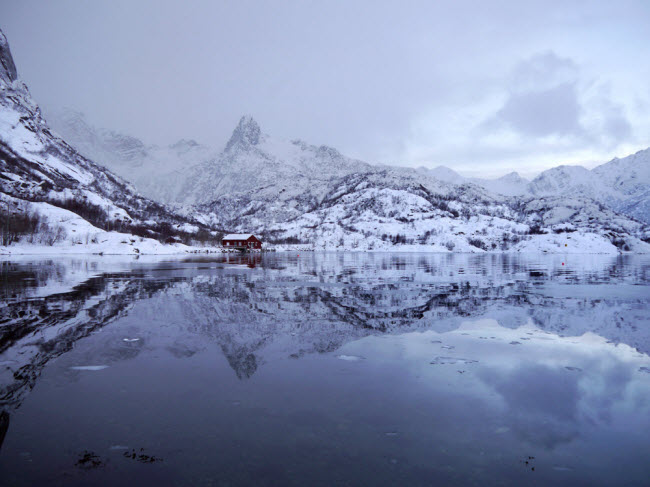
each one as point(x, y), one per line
point(325, 369)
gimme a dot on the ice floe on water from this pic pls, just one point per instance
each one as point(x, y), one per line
point(452, 360)
point(350, 358)
point(89, 367)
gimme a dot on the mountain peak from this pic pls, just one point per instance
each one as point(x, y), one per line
point(184, 145)
point(8, 71)
point(247, 133)
point(513, 177)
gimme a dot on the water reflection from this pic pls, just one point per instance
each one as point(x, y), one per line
point(528, 353)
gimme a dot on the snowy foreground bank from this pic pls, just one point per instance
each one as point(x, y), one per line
point(114, 243)
point(566, 243)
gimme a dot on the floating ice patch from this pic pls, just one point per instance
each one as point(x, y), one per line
point(436, 341)
point(119, 447)
point(7, 362)
point(130, 339)
point(350, 358)
point(448, 347)
point(515, 343)
point(452, 360)
point(90, 367)
point(574, 369)
point(501, 430)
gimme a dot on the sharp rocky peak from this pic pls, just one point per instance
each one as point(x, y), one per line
point(246, 134)
point(8, 73)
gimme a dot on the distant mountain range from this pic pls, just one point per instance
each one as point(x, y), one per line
point(621, 184)
point(290, 191)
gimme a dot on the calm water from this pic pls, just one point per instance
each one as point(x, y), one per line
point(326, 369)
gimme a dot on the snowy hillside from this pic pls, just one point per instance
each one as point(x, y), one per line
point(39, 170)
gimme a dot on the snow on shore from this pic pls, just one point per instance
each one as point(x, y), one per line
point(78, 236)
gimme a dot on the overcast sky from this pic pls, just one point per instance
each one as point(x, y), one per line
point(481, 86)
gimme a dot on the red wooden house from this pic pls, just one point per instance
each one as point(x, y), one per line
point(241, 241)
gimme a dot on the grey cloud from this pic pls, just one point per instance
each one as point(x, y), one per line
point(546, 97)
point(540, 113)
point(543, 70)
point(615, 127)
point(543, 98)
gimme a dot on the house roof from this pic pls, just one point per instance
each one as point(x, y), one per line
point(238, 236)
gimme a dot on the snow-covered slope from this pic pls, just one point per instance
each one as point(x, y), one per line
point(37, 166)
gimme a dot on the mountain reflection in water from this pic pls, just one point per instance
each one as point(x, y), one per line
point(385, 369)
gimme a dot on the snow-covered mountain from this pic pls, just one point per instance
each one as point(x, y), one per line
point(443, 173)
point(511, 184)
point(156, 172)
point(620, 184)
point(257, 167)
point(45, 183)
point(261, 167)
point(291, 191)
